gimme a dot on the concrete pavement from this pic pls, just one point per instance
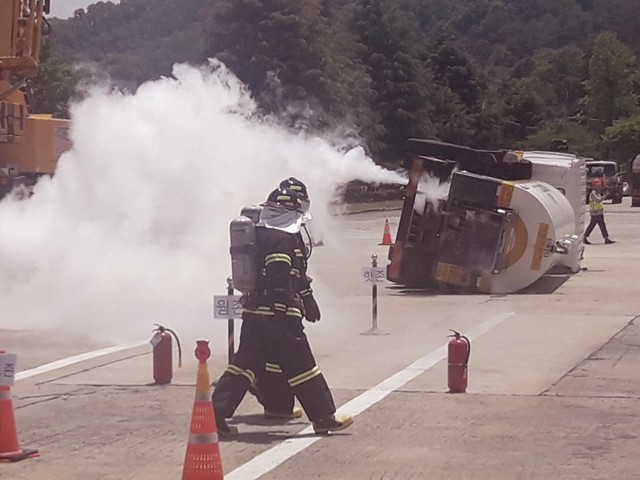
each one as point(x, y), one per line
point(553, 383)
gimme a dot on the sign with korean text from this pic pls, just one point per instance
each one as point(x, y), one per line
point(374, 274)
point(7, 368)
point(227, 306)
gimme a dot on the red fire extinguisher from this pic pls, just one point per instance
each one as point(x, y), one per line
point(459, 351)
point(163, 354)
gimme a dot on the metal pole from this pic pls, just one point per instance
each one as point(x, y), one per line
point(374, 295)
point(230, 324)
point(374, 301)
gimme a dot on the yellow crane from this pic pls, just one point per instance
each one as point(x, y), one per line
point(30, 144)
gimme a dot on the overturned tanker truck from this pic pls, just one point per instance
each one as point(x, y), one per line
point(506, 219)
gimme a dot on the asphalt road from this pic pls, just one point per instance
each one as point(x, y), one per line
point(553, 382)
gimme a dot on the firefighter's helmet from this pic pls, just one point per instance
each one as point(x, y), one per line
point(300, 188)
point(297, 186)
point(284, 198)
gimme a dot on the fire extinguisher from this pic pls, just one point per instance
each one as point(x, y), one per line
point(459, 349)
point(163, 354)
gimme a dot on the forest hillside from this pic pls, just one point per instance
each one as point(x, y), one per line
point(483, 73)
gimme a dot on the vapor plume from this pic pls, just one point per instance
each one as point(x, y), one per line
point(133, 228)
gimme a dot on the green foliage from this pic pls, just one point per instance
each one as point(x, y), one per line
point(54, 86)
point(402, 83)
point(485, 73)
point(454, 70)
point(581, 139)
point(561, 75)
point(612, 70)
point(135, 40)
point(623, 138)
point(524, 105)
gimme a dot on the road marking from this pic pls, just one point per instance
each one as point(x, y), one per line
point(65, 362)
point(270, 459)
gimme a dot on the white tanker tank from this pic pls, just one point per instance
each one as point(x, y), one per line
point(501, 236)
point(493, 235)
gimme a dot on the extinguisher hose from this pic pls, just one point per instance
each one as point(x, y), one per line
point(466, 362)
point(310, 249)
point(177, 343)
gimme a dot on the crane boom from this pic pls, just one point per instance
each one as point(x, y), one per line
point(21, 27)
point(30, 144)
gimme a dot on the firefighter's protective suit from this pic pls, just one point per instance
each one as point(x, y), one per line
point(273, 390)
point(271, 387)
point(272, 329)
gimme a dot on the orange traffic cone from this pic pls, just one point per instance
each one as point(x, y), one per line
point(386, 236)
point(10, 450)
point(202, 461)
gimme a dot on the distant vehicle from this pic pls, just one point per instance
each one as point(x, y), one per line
point(609, 173)
point(634, 180)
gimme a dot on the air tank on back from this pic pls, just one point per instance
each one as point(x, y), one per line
point(243, 244)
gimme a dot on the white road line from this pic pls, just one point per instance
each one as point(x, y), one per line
point(270, 459)
point(65, 362)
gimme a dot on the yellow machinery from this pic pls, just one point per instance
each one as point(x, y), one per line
point(30, 144)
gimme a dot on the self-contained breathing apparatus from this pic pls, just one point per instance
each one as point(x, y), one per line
point(244, 268)
point(244, 264)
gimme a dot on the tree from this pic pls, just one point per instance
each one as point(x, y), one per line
point(54, 86)
point(295, 56)
point(563, 73)
point(523, 108)
point(581, 140)
point(610, 82)
point(402, 83)
point(452, 69)
point(623, 138)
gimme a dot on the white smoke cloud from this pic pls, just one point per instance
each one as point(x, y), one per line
point(133, 228)
point(430, 190)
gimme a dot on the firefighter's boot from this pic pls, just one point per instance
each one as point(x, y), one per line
point(332, 424)
point(224, 430)
point(295, 413)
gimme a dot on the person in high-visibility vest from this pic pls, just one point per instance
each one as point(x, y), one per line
point(596, 209)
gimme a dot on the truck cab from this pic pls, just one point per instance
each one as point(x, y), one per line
point(609, 173)
point(634, 180)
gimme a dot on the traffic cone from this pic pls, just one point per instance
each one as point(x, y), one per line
point(202, 460)
point(386, 236)
point(10, 450)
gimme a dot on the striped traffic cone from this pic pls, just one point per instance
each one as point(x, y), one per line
point(10, 450)
point(386, 235)
point(202, 461)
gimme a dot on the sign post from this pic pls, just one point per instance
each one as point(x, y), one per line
point(228, 307)
point(374, 275)
point(7, 369)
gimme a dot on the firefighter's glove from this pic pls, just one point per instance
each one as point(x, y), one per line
point(311, 309)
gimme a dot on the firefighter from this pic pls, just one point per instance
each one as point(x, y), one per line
point(271, 387)
point(271, 328)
